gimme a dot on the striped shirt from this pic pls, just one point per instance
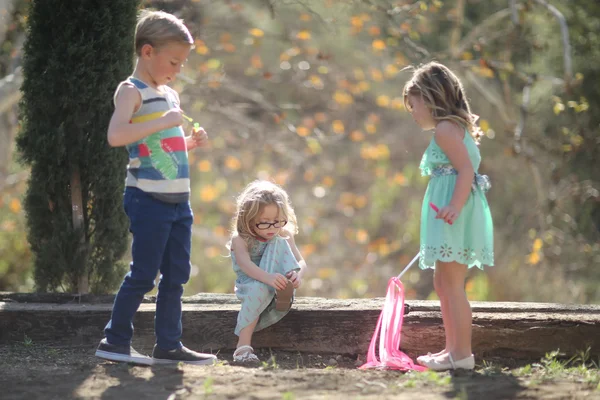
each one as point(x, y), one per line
point(158, 163)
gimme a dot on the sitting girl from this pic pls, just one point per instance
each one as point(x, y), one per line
point(266, 260)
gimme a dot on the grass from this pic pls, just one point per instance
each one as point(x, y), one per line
point(208, 385)
point(579, 368)
point(271, 363)
point(288, 396)
point(417, 379)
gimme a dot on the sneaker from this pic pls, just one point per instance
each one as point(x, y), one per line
point(182, 354)
point(113, 352)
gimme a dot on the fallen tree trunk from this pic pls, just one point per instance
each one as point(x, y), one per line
point(515, 330)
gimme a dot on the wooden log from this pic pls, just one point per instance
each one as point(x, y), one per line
point(516, 330)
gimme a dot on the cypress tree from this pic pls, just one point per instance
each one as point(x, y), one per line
point(75, 54)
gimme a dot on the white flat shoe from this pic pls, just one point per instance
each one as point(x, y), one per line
point(424, 358)
point(434, 365)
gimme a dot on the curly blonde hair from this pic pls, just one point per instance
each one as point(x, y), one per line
point(443, 94)
point(252, 201)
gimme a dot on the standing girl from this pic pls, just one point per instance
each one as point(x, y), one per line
point(266, 260)
point(460, 235)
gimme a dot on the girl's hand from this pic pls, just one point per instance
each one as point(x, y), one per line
point(449, 214)
point(277, 281)
point(295, 278)
point(172, 118)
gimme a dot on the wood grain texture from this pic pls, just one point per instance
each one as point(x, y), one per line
point(516, 330)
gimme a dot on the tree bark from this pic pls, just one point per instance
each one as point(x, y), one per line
point(78, 226)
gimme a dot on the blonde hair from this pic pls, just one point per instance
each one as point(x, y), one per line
point(252, 201)
point(443, 94)
point(158, 28)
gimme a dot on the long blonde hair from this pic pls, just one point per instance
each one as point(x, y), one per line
point(158, 28)
point(443, 94)
point(252, 201)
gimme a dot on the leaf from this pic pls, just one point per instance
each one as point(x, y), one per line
point(370, 128)
point(391, 70)
point(257, 32)
point(374, 31)
point(357, 23)
point(303, 35)
point(558, 107)
point(233, 163)
point(309, 175)
point(15, 206)
point(208, 193)
point(376, 75)
point(383, 101)
point(201, 47)
point(360, 201)
point(204, 166)
point(320, 117)
point(357, 136)
point(378, 45)
point(397, 103)
point(307, 250)
point(256, 61)
point(338, 126)
point(343, 98)
point(484, 125)
point(328, 181)
point(302, 131)
point(467, 56)
point(533, 258)
point(362, 236)
point(213, 63)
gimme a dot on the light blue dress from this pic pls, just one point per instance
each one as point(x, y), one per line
point(470, 239)
point(258, 299)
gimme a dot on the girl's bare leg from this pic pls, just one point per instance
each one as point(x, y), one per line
point(458, 310)
point(246, 334)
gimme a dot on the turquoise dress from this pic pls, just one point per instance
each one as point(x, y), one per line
point(470, 239)
point(258, 299)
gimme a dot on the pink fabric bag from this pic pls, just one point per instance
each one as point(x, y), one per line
point(390, 326)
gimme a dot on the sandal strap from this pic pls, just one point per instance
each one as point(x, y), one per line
point(451, 360)
point(245, 347)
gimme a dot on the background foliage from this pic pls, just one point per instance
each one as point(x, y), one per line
point(308, 93)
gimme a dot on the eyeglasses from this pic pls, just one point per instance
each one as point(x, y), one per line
point(266, 225)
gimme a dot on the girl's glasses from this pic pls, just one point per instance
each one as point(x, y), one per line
point(266, 225)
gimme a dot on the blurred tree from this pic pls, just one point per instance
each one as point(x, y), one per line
point(74, 56)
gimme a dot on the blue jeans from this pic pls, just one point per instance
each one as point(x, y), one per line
point(162, 235)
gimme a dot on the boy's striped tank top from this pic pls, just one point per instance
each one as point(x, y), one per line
point(158, 163)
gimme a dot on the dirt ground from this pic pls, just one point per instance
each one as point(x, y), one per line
point(29, 371)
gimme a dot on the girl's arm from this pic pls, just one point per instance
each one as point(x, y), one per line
point(449, 137)
point(240, 248)
point(122, 132)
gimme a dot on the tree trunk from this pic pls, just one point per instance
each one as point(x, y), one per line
point(78, 226)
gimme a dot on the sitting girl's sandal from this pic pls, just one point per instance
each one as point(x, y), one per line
point(245, 355)
point(283, 298)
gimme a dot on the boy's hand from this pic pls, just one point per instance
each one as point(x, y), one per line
point(172, 118)
point(199, 138)
point(277, 281)
point(294, 277)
